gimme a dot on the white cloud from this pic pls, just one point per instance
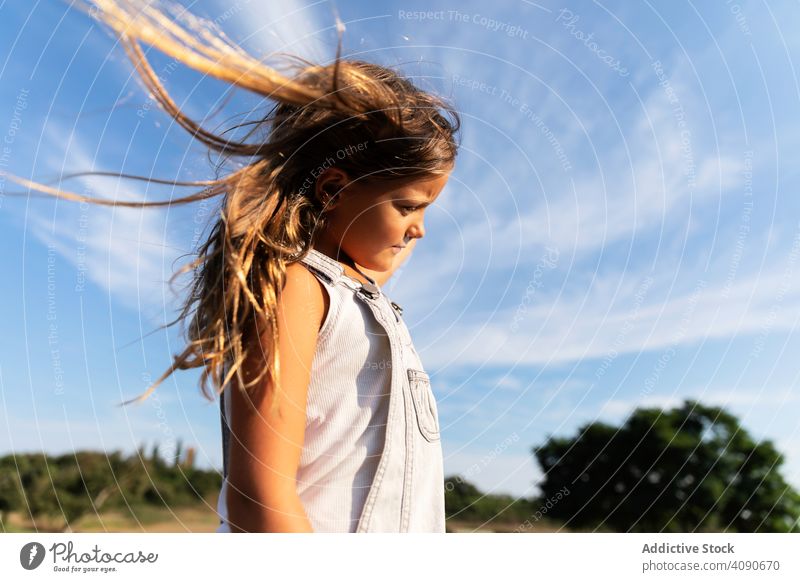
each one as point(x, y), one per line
point(493, 473)
point(642, 195)
point(287, 26)
point(588, 322)
point(129, 252)
point(126, 251)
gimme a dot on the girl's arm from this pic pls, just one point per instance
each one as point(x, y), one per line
point(382, 276)
point(265, 449)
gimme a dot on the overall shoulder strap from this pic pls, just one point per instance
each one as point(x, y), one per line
point(320, 263)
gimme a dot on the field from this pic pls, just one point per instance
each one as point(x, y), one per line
point(199, 518)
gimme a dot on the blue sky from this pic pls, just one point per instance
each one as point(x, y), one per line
point(621, 229)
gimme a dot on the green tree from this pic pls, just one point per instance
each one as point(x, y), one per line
point(692, 468)
point(10, 488)
point(463, 501)
point(67, 487)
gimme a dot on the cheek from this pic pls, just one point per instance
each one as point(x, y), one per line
point(349, 221)
point(359, 230)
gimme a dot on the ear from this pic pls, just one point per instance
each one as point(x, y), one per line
point(330, 187)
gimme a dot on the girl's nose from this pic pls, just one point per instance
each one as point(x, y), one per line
point(417, 230)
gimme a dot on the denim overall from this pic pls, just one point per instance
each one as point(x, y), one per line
point(407, 491)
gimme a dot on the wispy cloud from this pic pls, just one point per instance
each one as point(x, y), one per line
point(290, 26)
point(649, 172)
point(128, 252)
point(584, 323)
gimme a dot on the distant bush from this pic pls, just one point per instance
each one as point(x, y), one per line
point(72, 485)
point(464, 502)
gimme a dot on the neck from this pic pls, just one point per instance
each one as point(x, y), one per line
point(334, 251)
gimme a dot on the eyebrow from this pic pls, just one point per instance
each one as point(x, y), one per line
point(418, 198)
point(415, 202)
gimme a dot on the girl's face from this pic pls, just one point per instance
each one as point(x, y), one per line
point(370, 224)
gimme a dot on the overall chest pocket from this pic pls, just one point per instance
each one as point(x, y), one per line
point(424, 404)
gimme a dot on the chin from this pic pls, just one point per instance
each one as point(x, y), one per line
point(379, 264)
point(381, 267)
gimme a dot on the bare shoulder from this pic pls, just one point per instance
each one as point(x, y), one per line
point(304, 294)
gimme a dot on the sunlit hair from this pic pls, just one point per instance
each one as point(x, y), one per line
point(269, 209)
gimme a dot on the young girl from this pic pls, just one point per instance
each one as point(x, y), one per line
point(329, 421)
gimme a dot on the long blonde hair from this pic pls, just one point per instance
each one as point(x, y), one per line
point(391, 130)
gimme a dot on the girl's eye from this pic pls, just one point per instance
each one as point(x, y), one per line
point(408, 209)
